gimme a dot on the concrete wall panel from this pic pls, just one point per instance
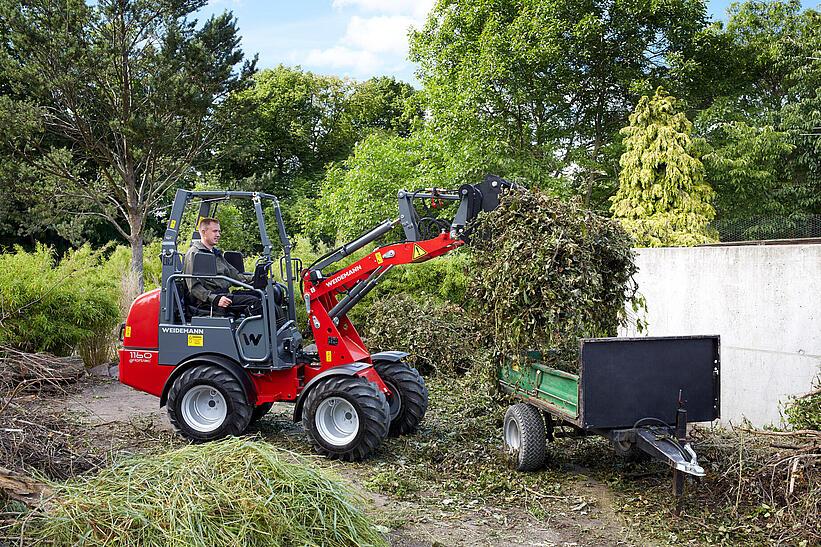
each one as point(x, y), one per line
point(764, 301)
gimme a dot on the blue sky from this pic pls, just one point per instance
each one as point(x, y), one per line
point(355, 38)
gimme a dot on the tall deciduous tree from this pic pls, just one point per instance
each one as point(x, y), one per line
point(556, 79)
point(662, 198)
point(124, 91)
point(294, 123)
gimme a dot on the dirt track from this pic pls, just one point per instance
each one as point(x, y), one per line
point(108, 409)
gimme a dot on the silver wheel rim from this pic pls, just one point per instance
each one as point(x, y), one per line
point(394, 400)
point(337, 421)
point(204, 408)
point(513, 437)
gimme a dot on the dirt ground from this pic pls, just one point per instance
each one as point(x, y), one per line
point(126, 421)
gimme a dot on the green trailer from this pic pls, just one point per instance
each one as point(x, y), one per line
point(640, 393)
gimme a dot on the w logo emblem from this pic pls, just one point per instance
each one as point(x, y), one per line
point(250, 339)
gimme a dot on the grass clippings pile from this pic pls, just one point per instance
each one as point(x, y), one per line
point(547, 272)
point(232, 492)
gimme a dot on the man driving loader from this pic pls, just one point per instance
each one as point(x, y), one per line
point(214, 293)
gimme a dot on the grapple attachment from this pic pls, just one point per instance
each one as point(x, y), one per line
point(472, 198)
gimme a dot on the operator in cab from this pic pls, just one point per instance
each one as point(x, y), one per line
point(215, 293)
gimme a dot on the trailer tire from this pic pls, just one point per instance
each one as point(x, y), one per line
point(524, 437)
point(207, 403)
point(346, 417)
point(408, 401)
point(629, 452)
point(260, 411)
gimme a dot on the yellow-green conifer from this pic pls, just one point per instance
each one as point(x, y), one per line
point(663, 199)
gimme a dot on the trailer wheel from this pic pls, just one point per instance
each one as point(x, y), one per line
point(207, 403)
point(524, 437)
point(629, 452)
point(408, 400)
point(260, 411)
point(346, 417)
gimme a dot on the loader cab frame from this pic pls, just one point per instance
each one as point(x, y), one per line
point(269, 341)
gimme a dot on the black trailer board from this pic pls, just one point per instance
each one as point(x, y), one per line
point(624, 380)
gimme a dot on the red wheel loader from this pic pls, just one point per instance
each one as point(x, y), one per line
point(216, 375)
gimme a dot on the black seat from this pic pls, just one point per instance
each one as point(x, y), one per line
point(234, 258)
point(204, 264)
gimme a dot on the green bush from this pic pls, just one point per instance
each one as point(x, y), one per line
point(805, 412)
point(439, 336)
point(53, 305)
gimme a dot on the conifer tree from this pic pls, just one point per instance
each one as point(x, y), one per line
point(663, 199)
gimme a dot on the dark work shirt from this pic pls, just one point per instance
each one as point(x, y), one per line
point(206, 290)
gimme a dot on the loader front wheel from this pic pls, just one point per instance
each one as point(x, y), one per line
point(207, 403)
point(408, 400)
point(346, 417)
point(524, 436)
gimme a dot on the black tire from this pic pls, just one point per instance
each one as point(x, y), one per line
point(629, 452)
point(524, 437)
point(209, 380)
point(408, 401)
point(260, 411)
point(362, 401)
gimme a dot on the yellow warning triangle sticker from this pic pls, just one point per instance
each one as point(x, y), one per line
point(418, 252)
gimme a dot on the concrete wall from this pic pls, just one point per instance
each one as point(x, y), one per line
point(764, 301)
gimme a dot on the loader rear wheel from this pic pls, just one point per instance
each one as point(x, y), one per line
point(408, 400)
point(524, 436)
point(346, 417)
point(207, 403)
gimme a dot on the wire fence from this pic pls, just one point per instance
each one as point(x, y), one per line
point(768, 227)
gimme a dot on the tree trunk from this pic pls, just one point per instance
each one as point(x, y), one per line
point(136, 284)
point(137, 261)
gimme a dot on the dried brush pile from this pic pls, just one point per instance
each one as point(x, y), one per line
point(30, 437)
point(232, 492)
point(768, 483)
point(547, 272)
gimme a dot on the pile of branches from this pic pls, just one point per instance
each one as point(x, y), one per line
point(547, 272)
point(770, 479)
point(31, 438)
point(22, 372)
point(232, 492)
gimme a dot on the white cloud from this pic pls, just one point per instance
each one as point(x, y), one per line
point(341, 57)
point(376, 37)
point(384, 34)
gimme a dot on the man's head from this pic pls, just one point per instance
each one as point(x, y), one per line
point(209, 231)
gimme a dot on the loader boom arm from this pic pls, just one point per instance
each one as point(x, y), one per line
point(329, 298)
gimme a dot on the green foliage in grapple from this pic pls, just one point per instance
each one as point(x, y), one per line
point(52, 306)
point(547, 272)
point(663, 199)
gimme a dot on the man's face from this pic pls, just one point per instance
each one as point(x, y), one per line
point(210, 234)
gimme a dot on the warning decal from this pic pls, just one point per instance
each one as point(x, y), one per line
point(328, 356)
point(195, 340)
point(418, 252)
